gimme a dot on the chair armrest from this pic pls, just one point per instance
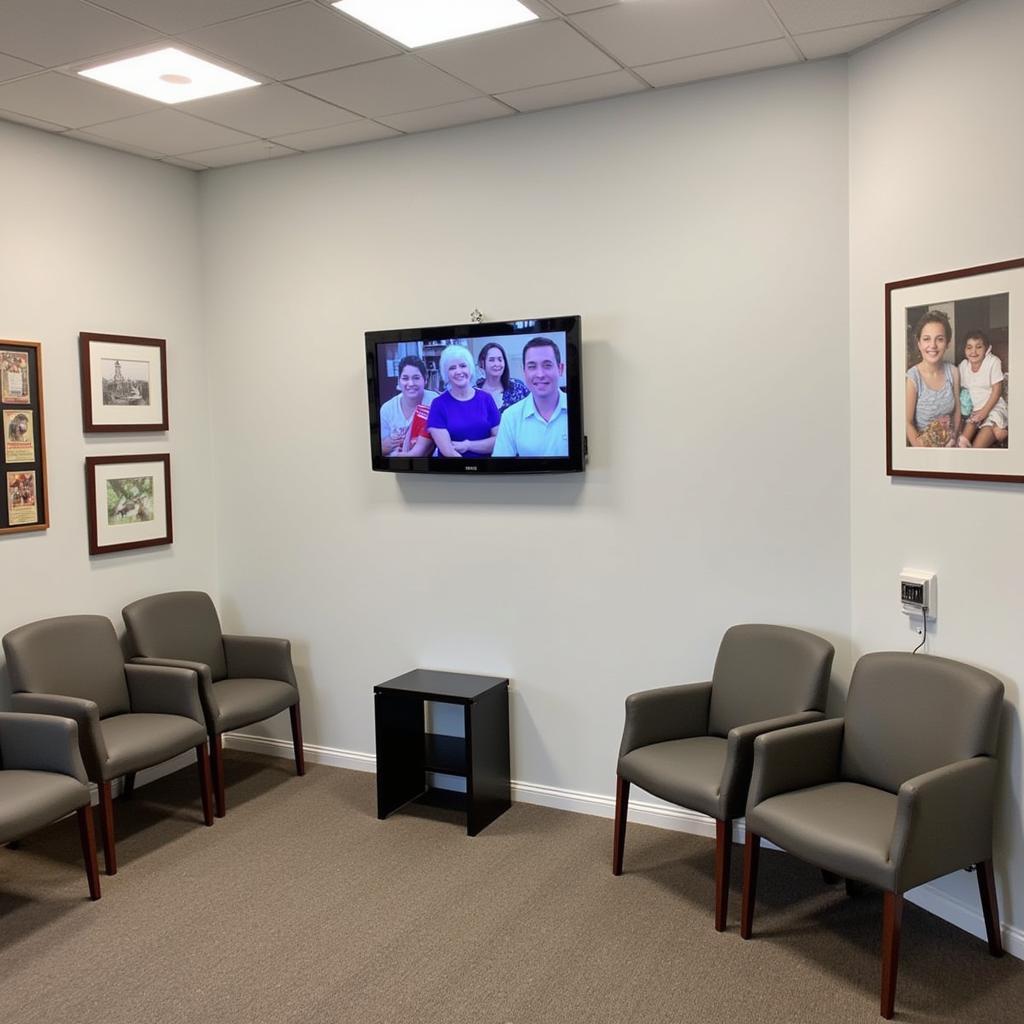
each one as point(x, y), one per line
point(207, 697)
point(739, 755)
point(164, 690)
point(667, 713)
point(259, 657)
point(85, 714)
point(943, 821)
point(41, 743)
point(795, 758)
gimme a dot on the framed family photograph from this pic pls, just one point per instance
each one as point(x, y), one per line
point(129, 502)
point(948, 352)
point(25, 506)
point(124, 383)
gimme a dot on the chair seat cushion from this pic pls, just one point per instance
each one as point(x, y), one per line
point(244, 701)
point(29, 800)
point(685, 772)
point(137, 741)
point(845, 827)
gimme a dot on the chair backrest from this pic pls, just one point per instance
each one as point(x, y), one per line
point(73, 655)
point(182, 625)
point(909, 713)
point(766, 672)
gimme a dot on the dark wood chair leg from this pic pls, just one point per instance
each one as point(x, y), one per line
point(88, 837)
point(107, 828)
point(217, 758)
point(892, 915)
point(205, 786)
point(830, 877)
point(751, 856)
point(990, 906)
point(723, 862)
point(621, 810)
point(300, 756)
point(128, 786)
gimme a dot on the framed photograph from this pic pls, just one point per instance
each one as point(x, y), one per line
point(129, 502)
point(124, 383)
point(948, 355)
point(24, 507)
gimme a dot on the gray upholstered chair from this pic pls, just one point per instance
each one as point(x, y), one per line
point(693, 745)
point(243, 679)
point(42, 779)
point(897, 793)
point(129, 717)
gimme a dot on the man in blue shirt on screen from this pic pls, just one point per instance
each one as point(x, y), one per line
point(538, 426)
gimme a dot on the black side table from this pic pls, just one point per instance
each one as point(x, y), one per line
point(406, 751)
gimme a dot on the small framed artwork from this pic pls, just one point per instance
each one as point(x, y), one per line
point(129, 502)
point(23, 449)
point(124, 383)
point(948, 354)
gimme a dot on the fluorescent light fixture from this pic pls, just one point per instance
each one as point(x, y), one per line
point(169, 76)
point(418, 22)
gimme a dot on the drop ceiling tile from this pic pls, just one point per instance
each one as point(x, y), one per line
point(124, 147)
point(483, 108)
point(812, 15)
point(268, 110)
point(27, 30)
point(243, 153)
point(190, 165)
point(389, 86)
point(724, 62)
point(597, 87)
point(340, 135)
point(169, 132)
point(69, 100)
point(575, 6)
point(643, 33)
point(175, 16)
point(32, 122)
point(519, 57)
point(11, 67)
point(291, 41)
point(841, 40)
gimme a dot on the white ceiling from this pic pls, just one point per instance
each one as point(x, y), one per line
point(329, 81)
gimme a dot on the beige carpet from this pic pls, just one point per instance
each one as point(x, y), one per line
point(301, 907)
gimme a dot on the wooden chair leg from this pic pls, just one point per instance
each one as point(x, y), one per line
point(300, 757)
point(107, 828)
point(892, 915)
point(621, 810)
point(723, 862)
point(751, 856)
point(128, 786)
point(88, 837)
point(217, 758)
point(205, 786)
point(990, 906)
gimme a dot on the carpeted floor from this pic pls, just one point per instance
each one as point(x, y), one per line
point(301, 907)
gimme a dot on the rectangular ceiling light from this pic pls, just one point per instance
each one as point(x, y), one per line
point(419, 22)
point(169, 76)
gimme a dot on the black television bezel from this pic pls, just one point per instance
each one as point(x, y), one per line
point(574, 462)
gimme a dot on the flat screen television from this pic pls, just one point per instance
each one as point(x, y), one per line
point(477, 398)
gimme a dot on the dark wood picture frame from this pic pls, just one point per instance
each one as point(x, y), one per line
point(100, 540)
point(98, 417)
point(988, 299)
point(25, 356)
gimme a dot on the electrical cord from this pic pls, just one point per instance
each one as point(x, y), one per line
point(924, 629)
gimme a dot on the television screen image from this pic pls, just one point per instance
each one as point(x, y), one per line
point(491, 398)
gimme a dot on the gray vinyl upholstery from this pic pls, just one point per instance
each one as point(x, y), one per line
point(693, 745)
point(182, 625)
point(899, 792)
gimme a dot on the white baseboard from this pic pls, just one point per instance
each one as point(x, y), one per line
point(643, 812)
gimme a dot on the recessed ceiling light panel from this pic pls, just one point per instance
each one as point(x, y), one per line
point(419, 22)
point(169, 76)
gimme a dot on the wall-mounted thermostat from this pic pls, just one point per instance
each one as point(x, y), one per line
point(918, 592)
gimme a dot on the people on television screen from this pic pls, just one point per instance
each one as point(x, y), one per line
point(933, 387)
point(398, 436)
point(462, 421)
point(538, 426)
point(981, 373)
point(496, 381)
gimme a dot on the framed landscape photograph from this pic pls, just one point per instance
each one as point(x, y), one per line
point(129, 502)
point(948, 354)
point(25, 506)
point(124, 383)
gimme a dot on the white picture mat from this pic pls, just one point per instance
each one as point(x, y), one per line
point(130, 533)
point(125, 415)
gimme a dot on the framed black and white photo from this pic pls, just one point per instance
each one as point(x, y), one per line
point(124, 383)
point(128, 502)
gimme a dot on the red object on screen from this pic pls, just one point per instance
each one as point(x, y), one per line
point(418, 426)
